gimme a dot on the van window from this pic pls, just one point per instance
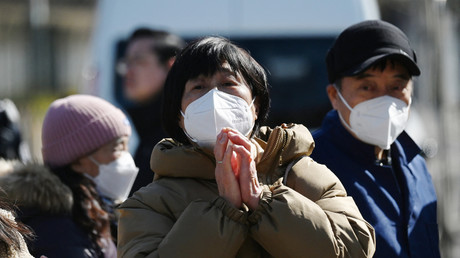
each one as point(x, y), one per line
point(296, 72)
point(297, 76)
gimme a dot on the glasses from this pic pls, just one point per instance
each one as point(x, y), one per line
point(124, 64)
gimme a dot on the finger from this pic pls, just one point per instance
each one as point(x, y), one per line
point(220, 146)
point(235, 161)
point(224, 169)
point(242, 151)
point(244, 160)
point(248, 182)
point(239, 139)
point(227, 182)
point(227, 157)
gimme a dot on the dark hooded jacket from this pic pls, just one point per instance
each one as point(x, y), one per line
point(45, 205)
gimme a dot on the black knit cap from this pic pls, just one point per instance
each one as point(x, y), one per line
point(362, 44)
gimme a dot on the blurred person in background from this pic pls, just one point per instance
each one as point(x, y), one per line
point(148, 57)
point(69, 202)
point(370, 68)
point(225, 186)
point(12, 146)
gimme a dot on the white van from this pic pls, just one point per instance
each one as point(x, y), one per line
point(288, 38)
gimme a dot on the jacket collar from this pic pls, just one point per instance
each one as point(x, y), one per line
point(275, 147)
point(362, 151)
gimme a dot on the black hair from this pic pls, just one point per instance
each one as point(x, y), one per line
point(12, 231)
point(165, 45)
point(380, 64)
point(205, 56)
point(88, 209)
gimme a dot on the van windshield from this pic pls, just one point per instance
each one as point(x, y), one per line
point(296, 73)
point(297, 76)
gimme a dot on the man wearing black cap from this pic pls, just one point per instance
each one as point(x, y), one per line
point(370, 68)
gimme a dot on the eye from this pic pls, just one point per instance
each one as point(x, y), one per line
point(365, 87)
point(118, 147)
point(138, 61)
point(197, 87)
point(400, 85)
point(396, 87)
point(228, 83)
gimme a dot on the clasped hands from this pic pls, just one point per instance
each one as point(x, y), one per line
point(236, 173)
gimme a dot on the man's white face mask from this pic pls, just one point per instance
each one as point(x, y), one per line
point(205, 117)
point(378, 121)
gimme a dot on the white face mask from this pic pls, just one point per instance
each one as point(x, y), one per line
point(378, 121)
point(205, 117)
point(116, 178)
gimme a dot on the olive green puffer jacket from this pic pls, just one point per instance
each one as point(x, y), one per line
point(304, 210)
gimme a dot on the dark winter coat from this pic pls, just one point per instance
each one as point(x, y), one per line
point(147, 122)
point(399, 200)
point(45, 205)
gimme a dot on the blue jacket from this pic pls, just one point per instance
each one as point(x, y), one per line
point(398, 200)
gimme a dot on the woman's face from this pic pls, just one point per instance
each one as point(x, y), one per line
point(104, 155)
point(224, 80)
point(145, 74)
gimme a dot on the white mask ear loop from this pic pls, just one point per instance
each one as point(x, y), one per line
point(94, 160)
point(341, 97)
point(252, 102)
point(97, 164)
point(346, 104)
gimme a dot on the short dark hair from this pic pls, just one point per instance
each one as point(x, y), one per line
point(380, 64)
point(166, 45)
point(205, 56)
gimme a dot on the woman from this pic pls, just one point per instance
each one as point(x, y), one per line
point(85, 147)
point(149, 55)
point(226, 187)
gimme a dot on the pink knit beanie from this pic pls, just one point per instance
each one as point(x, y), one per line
point(78, 125)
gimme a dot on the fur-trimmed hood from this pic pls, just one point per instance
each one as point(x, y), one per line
point(34, 187)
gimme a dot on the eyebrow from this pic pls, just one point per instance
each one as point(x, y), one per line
point(404, 76)
point(363, 76)
point(228, 70)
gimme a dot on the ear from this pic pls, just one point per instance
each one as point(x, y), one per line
point(170, 62)
point(85, 165)
point(78, 166)
point(256, 107)
point(181, 121)
point(333, 97)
